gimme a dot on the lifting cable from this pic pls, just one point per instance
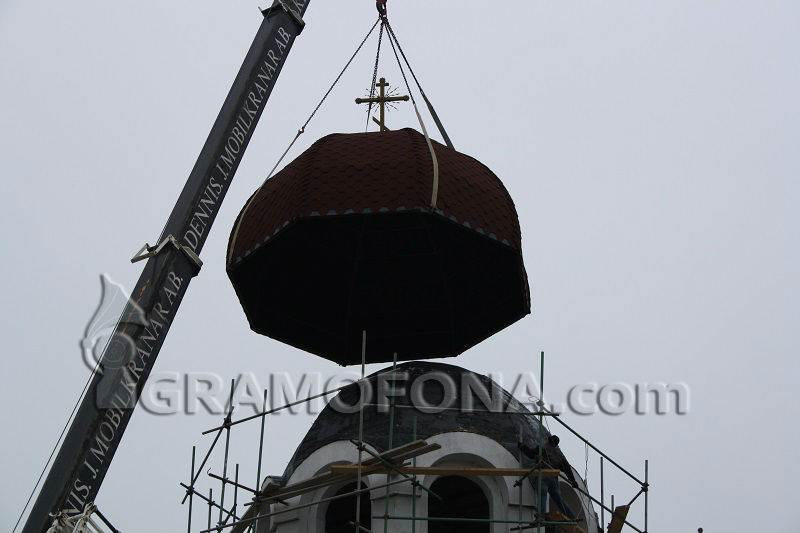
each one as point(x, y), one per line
point(61, 436)
point(297, 135)
point(419, 86)
point(383, 21)
point(374, 78)
point(435, 191)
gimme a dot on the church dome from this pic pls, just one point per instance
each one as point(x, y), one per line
point(432, 397)
point(347, 238)
point(454, 423)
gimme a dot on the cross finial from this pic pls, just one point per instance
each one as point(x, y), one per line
point(382, 99)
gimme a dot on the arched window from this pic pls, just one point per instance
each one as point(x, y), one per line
point(461, 498)
point(342, 511)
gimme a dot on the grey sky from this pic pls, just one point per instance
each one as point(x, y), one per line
point(650, 147)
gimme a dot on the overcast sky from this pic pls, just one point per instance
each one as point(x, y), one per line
point(650, 147)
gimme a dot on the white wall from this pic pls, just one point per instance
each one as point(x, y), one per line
point(458, 449)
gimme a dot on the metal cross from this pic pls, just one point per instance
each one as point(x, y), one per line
point(382, 99)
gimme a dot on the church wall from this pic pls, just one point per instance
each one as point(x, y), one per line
point(458, 449)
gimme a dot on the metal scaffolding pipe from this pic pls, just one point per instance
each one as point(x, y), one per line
point(542, 500)
point(391, 435)
point(359, 527)
point(202, 464)
point(396, 469)
point(602, 497)
point(595, 500)
point(227, 447)
point(105, 521)
point(234, 483)
point(191, 493)
point(482, 520)
point(302, 506)
point(360, 428)
point(592, 446)
point(646, 492)
point(211, 502)
point(634, 498)
point(292, 404)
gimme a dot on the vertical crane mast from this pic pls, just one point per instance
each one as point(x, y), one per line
point(89, 445)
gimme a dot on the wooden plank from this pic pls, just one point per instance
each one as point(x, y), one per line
point(618, 519)
point(399, 454)
point(443, 471)
point(400, 457)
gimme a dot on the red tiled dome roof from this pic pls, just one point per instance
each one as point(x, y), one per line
point(377, 172)
point(343, 240)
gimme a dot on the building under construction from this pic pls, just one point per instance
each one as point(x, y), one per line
point(369, 247)
point(419, 446)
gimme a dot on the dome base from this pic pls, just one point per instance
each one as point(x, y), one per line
point(421, 285)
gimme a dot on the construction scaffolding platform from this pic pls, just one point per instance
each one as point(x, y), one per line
point(399, 465)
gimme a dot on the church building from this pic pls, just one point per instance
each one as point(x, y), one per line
point(465, 421)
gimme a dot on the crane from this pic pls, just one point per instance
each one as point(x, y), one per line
point(106, 408)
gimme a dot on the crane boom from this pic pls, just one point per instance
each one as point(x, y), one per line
point(99, 423)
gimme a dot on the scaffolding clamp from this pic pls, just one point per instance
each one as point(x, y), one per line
point(147, 251)
point(82, 522)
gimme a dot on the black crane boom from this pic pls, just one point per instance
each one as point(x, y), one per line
point(89, 445)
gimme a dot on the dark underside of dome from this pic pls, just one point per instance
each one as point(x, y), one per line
point(503, 426)
point(417, 293)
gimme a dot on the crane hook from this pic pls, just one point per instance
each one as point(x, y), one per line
point(381, 6)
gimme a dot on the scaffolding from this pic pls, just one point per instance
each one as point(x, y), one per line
point(399, 465)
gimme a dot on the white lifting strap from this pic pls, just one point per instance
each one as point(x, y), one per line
point(435, 191)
